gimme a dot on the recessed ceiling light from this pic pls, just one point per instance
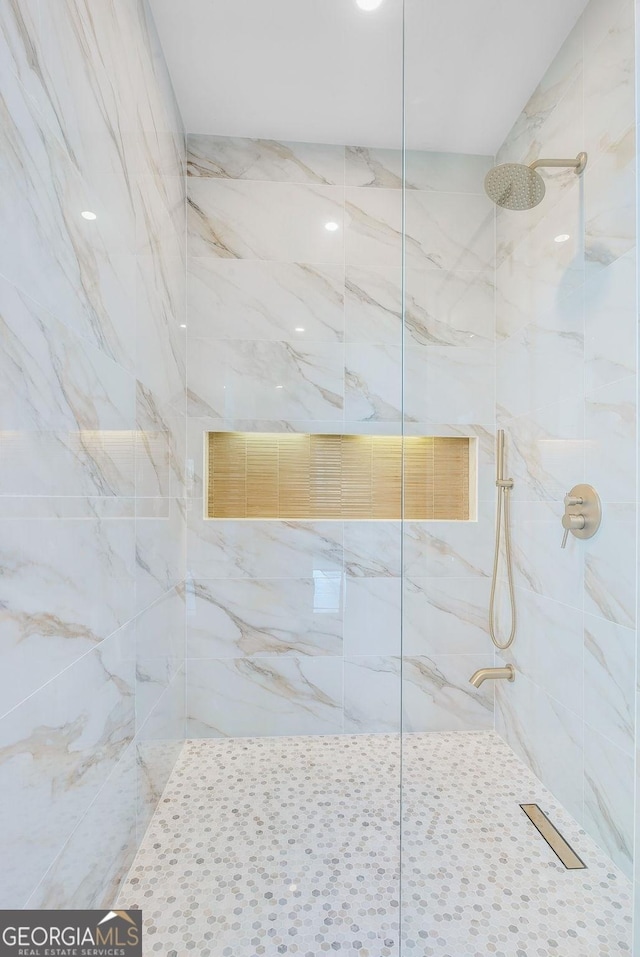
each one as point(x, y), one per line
point(299, 328)
point(331, 227)
point(368, 4)
point(87, 214)
point(562, 238)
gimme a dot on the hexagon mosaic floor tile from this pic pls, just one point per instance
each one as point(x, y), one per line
point(270, 846)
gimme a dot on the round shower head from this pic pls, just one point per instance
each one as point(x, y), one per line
point(514, 186)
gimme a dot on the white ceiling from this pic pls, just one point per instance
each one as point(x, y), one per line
point(326, 71)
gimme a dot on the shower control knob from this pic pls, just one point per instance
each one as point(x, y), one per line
point(582, 512)
point(570, 522)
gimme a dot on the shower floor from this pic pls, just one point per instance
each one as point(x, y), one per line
point(269, 846)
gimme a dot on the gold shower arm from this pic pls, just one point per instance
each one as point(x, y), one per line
point(578, 164)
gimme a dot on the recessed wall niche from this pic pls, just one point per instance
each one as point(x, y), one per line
point(300, 476)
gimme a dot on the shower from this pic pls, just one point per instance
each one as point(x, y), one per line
point(503, 519)
point(516, 186)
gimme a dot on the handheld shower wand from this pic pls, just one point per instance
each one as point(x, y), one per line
point(503, 510)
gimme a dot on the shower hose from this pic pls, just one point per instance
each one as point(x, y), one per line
point(503, 510)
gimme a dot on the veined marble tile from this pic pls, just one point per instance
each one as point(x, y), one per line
point(548, 648)
point(543, 362)
point(450, 309)
point(265, 618)
point(56, 750)
point(160, 649)
point(228, 157)
point(608, 799)
point(232, 219)
point(609, 681)
point(445, 616)
point(601, 17)
point(264, 696)
point(453, 384)
point(610, 323)
point(540, 565)
point(609, 80)
point(91, 866)
point(449, 231)
point(220, 548)
point(441, 172)
point(372, 617)
point(437, 696)
point(241, 299)
point(450, 549)
point(158, 745)
point(609, 566)
point(160, 547)
point(373, 227)
point(266, 379)
point(610, 205)
point(373, 304)
point(66, 586)
point(610, 428)
point(372, 695)
point(545, 451)
point(372, 549)
point(72, 463)
point(51, 379)
point(373, 382)
point(528, 719)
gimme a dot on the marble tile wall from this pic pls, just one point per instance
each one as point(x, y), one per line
point(566, 396)
point(92, 447)
point(295, 627)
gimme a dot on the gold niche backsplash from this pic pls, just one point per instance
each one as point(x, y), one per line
point(299, 476)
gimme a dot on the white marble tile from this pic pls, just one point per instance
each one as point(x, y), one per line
point(372, 617)
point(610, 205)
point(453, 384)
point(539, 562)
point(247, 299)
point(269, 549)
point(449, 231)
point(441, 172)
point(609, 566)
point(609, 681)
point(56, 750)
point(548, 648)
point(372, 549)
point(437, 696)
point(373, 382)
point(544, 361)
point(160, 649)
point(545, 451)
point(54, 571)
point(450, 549)
point(373, 304)
point(265, 618)
point(450, 308)
point(160, 547)
point(373, 227)
point(610, 323)
point(529, 720)
point(91, 866)
point(280, 380)
point(235, 219)
point(445, 616)
point(608, 799)
point(228, 157)
point(264, 696)
point(610, 428)
point(372, 692)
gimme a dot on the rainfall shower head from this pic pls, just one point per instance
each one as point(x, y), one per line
point(515, 186)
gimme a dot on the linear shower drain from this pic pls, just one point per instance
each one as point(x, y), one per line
point(553, 837)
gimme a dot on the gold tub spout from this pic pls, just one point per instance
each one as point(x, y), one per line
point(507, 672)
